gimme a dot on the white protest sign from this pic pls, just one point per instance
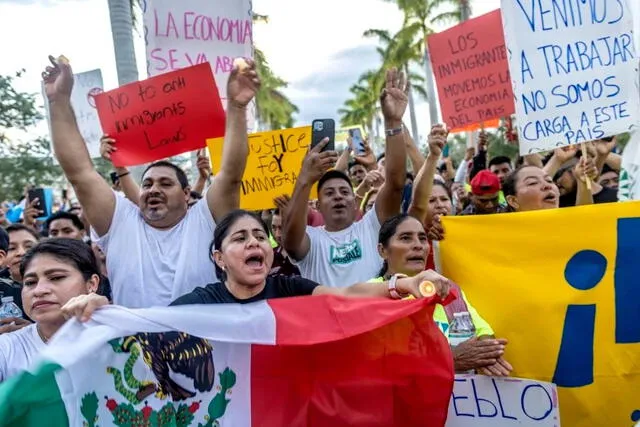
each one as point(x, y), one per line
point(183, 33)
point(574, 71)
point(479, 401)
point(85, 87)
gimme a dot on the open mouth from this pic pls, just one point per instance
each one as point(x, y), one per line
point(550, 198)
point(255, 261)
point(416, 259)
point(154, 202)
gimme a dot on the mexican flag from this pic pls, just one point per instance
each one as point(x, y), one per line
point(308, 361)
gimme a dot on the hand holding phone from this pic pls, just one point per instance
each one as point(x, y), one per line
point(321, 129)
point(357, 142)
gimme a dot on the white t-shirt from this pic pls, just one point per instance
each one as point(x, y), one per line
point(150, 267)
point(342, 258)
point(18, 350)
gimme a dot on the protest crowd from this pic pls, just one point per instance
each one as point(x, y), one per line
point(358, 225)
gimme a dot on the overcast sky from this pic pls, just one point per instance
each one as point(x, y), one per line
point(317, 46)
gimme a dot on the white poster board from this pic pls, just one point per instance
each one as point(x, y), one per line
point(479, 401)
point(574, 70)
point(85, 86)
point(183, 33)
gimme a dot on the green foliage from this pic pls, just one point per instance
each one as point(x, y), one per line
point(26, 163)
point(17, 109)
point(22, 163)
point(274, 109)
point(403, 50)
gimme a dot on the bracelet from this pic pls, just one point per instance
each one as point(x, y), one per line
point(394, 132)
point(124, 174)
point(393, 292)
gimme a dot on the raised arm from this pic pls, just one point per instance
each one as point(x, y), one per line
point(394, 103)
point(423, 183)
point(343, 161)
point(223, 194)
point(93, 192)
point(128, 185)
point(204, 172)
point(416, 158)
point(560, 156)
point(584, 170)
point(294, 231)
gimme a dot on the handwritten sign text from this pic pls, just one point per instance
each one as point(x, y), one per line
point(273, 165)
point(472, 72)
point(574, 70)
point(163, 116)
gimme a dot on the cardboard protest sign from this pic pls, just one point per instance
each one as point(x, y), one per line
point(180, 34)
point(85, 87)
point(479, 401)
point(273, 165)
point(162, 116)
point(472, 72)
point(574, 70)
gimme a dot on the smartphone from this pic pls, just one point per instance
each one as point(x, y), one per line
point(357, 141)
point(321, 129)
point(445, 151)
point(45, 200)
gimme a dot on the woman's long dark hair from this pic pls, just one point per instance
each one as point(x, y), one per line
point(222, 231)
point(74, 252)
point(387, 231)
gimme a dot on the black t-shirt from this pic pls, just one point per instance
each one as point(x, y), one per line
point(275, 287)
point(606, 195)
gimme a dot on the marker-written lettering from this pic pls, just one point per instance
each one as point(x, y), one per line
point(549, 15)
point(200, 27)
point(271, 168)
point(148, 117)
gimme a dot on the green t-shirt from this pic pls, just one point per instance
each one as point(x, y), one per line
point(440, 316)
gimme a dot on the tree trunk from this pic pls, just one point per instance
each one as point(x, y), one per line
point(430, 87)
point(412, 112)
point(122, 31)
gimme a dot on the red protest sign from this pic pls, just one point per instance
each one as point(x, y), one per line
point(472, 71)
point(162, 116)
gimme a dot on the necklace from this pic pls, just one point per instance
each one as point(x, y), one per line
point(41, 335)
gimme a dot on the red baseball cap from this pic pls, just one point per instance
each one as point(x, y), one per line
point(485, 183)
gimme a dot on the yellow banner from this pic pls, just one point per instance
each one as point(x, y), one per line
point(563, 286)
point(273, 165)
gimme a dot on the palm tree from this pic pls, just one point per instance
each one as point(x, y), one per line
point(419, 18)
point(274, 109)
point(401, 50)
point(122, 15)
point(363, 107)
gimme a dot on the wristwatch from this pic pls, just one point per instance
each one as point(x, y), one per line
point(394, 132)
point(393, 292)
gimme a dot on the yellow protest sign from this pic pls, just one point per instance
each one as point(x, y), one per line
point(273, 165)
point(563, 286)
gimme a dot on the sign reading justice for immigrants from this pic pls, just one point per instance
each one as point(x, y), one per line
point(273, 165)
point(574, 70)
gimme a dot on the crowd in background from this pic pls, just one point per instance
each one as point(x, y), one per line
point(370, 232)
